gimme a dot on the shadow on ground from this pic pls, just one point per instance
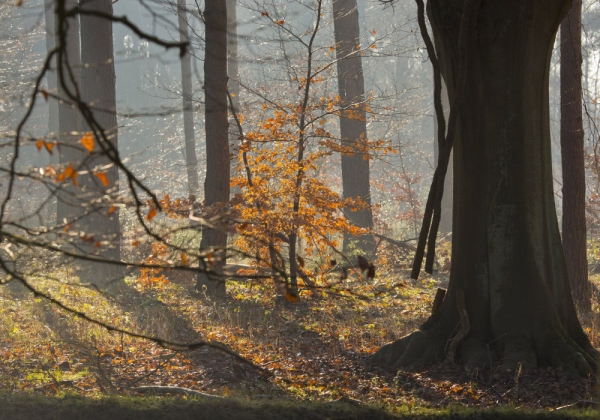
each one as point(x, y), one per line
point(31, 406)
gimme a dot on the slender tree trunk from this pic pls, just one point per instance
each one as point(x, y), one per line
point(355, 166)
point(509, 295)
point(446, 217)
point(232, 55)
point(188, 108)
point(51, 75)
point(216, 185)
point(69, 70)
point(571, 141)
point(98, 83)
point(233, 84)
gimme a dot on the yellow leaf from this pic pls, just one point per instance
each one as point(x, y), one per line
point(87, 141)
point(102, 177)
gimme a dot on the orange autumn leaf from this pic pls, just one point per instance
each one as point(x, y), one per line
point(39, 144)
point(102, 177)
point(87, 141)
point(60, 177)
point(184, 259)
point(70, 173)
point(111, 210)
point(49, 146)
point(151, 214)
point(135, 243)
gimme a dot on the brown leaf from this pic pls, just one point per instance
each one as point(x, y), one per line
point(300, 261)
point(363, 264)
point(291, 297)
point(332, 263)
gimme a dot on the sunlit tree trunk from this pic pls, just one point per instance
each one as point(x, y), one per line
point(188, 108)
point(232, 54)
point(70, 152)
point(233, 84)
point(571, 143)
point(98, 82)
point(216, 185)
point(509, 295)
point(446, 217)
point(355, 166)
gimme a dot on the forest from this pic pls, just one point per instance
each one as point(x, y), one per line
point(299, 209)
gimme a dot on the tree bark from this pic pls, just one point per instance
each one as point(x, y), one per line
point(232, 55)
point(571, 142)
point(98, 83)
point(216, 185)
point(353, 130)
point(69, 126)
point(191, 161)
point(233, 85)
point(507, 257)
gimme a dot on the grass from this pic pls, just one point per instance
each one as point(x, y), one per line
point(55, 365)
point(28, 406)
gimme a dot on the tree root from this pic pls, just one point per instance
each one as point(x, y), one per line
point(434, 342)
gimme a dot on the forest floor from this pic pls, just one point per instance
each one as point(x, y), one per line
point(309, 359)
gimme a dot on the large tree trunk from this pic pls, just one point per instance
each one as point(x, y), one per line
point(216, 184)
point(191, 161)
point(507, 259)
point(571, 142)
point(355, 168)
point(98, 90)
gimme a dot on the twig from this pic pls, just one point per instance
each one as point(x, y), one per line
point(157, 389)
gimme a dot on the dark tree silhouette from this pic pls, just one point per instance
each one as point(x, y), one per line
point(351, 86)
point(216, 184)
point(571, 142)
point(509, 295)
